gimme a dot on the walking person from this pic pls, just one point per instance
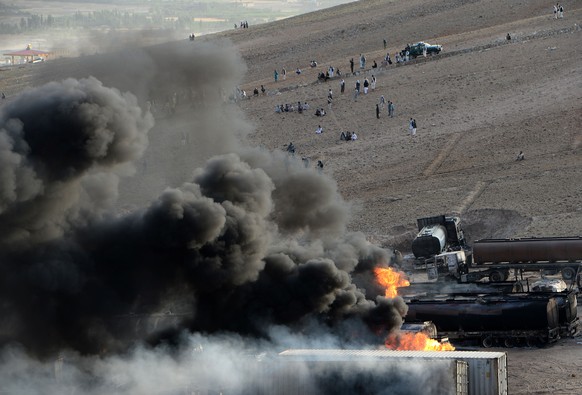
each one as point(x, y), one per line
point(377, 111)
point(412, 127)
point(342, 86)
point(391, 109)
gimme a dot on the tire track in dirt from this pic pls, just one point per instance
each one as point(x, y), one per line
point(435, 164)
point(472, 196)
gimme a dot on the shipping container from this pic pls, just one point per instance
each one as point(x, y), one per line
point(413, 372)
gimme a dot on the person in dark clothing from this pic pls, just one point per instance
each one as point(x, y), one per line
point(352, 65)
point(377, 111)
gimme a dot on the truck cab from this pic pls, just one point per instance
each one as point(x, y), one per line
point(453, 263)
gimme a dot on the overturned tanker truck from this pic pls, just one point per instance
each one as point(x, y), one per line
point(436, 235)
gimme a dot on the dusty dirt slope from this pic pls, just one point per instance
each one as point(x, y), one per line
point(477, 105)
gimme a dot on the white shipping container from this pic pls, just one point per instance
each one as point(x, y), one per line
point(487, 371)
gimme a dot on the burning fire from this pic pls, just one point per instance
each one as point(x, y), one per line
point(391, 279)
point(408, 341)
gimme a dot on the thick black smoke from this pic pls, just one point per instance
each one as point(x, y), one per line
point(61, 146)
point(250, 243)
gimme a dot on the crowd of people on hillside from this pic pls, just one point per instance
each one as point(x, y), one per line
point(300, 108)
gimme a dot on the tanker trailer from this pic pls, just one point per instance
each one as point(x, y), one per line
point(557, 254)
point(490, 319)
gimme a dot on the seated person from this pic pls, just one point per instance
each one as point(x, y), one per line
point(305, 106)
point(298, 71)
point(313, 63)
point(374, 65)
point(520, 156)
point(354, 136)
point(256, 92)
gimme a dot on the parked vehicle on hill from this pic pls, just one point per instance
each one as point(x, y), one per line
point(419, 48)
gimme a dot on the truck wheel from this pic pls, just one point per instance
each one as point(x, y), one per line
point(497, 276)
point(487, 341)
point(568, 273)
point(509, 342)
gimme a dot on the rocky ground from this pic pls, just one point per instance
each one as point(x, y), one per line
point(477, 105)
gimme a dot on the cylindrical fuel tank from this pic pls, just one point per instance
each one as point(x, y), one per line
point(548, 249)
point(486, 314)
point(431, 240)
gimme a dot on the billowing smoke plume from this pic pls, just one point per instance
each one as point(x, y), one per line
point(59, 142)
point(250, 243)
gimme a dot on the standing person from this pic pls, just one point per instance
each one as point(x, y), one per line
point(276, 75)
point(377, 111)
point(329, 101)
point(373, 83)
point(342, 86)
point(352, 65)
point(384, 43)
point(413, 128)
point(284, 73)
point(358, 86)
point(263, 89)
point(319, 166)
point(319, 130)
point(330, 94)
point(363, 61)
point(391, 109)
point(556, 11)
point(560, 11)
point(382, 101)
point(366, 85)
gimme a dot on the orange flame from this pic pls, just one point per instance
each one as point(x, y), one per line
point(391, 279)
point(415, 342)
